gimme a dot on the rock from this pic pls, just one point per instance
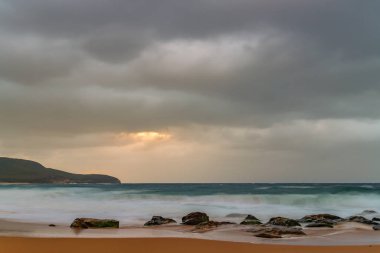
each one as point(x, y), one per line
point(376, 227)
point(251, 220)
point(281, 221)
point(212, 224)
point(195, 218)
point(268, 235)
point(361, 219)
point(159, 220)
point(51, 225)
point(94, 223)
point(324, 218)
point(365, 212)
point(321, 220)
point(376, 219)
point(220, 223)
point(319, 225)
point(275, 232)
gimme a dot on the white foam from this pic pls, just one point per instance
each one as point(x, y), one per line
point(62, 205)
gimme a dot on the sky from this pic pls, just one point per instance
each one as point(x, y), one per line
point(193, 91)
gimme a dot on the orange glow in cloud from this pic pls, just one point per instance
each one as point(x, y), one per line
point(145, 136)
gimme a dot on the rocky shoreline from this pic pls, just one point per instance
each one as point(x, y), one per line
point(275, 227)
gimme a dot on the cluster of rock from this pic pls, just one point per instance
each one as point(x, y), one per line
point(276, 227)
point(321, 220)
point(276, 231)
point(361, 219)
point(328, 220)
point(202, 222)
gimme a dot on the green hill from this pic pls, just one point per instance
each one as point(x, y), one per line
point(25, 171)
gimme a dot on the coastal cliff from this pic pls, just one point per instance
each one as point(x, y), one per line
point(25, 171)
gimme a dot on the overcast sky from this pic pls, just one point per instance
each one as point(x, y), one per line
point(193, 91)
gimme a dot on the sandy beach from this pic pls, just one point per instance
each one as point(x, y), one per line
point(18, 237)
point(164, 245)
point(47, 227)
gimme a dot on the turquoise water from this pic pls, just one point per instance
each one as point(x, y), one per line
point(135, 203)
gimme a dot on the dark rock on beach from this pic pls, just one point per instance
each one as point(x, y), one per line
point(207, 225)
point(319, 225)
point(52, 225)
point(195, 218)
point(268, 235)
point(251, 220)
point(94, 223)
point(361, 219)
point(376, 219)
point(275, 231)
point(321, 218)
point(159, 220)
point(282, 221)
point(376, 227)
point(220, 223)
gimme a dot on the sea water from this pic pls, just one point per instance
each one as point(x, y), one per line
point(133, 204)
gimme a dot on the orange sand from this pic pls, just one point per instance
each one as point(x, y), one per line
point(164, 245)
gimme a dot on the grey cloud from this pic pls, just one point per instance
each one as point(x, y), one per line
point(278, 76)
point(116, 44)
point(74, 69)
point(33, 61)
point(298, 151)
point(306, 62)
point(46, 111)
point(338, 24)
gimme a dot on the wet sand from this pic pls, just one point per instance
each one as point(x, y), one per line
point(342, 235)
point(160, 245)
point(20, 237)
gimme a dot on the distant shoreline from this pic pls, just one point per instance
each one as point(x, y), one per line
point(14, 170)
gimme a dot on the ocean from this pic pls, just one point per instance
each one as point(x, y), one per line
point(133, 204)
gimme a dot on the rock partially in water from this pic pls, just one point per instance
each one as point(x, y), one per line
point(319, 225)
point(361, 219)
point(275, 231)
point(159, 220)
point(94, 223)
point(376, 219)
point(376, 227)
point(324, 218)
point(195, 218)
point(366, 212)
point(250, 220)
point(282, 221)
point(209, 225)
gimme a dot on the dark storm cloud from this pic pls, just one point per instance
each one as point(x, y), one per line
point(311, 56)
point(342, 24)
point(70, 68)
